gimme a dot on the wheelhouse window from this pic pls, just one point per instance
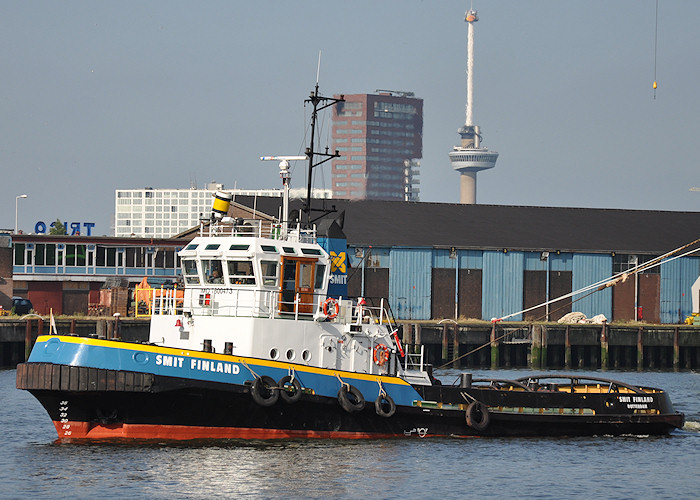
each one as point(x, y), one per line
point(320, 273)
point(269, 272)
point(213, 271)
point(240, 272)
point(189, 267)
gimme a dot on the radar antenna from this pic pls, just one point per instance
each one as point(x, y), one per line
point(284, 174)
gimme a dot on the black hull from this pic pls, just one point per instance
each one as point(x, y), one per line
point(156, 407)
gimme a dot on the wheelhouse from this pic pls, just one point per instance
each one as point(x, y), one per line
point(254, 275)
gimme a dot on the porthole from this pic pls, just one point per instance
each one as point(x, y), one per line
point(274, 353)
point(306, 355)
point(290, 354)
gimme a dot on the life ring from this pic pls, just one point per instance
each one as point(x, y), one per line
point(331, 308)
point(290, 389)
point(380, 353)
point(384, 406)
point(478, 416)
point(398, 343)
point(265, 391)
point(351, 399)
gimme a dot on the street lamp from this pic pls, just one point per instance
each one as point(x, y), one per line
point(17, 201)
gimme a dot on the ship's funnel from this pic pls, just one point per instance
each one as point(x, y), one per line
point(222, 202)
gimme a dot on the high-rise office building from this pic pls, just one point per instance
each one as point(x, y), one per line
point(380, 140)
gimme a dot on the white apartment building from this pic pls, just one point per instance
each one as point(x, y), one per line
point(162, 213)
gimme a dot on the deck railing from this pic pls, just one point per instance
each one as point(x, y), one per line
point(262, 304)
point(259, 228)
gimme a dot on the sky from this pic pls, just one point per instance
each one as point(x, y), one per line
point(101, 95)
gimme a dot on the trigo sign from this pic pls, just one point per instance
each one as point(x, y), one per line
point(72, 228)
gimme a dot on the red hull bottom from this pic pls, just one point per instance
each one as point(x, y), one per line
point(86, 430)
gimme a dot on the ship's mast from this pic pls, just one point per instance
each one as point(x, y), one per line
point(319, 103)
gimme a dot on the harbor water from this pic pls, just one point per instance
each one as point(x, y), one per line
point(33, 464)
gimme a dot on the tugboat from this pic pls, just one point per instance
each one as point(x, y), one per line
point(256, 348)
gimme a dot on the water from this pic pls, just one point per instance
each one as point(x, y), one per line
point(33, 464)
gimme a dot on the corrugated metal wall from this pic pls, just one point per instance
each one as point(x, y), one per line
point(471, 259)
point(442, 260)
point(502, 287)
point(410, 282)
point(466, 259)
point(561, 261)
point(557, 262)
point(589, 269)
point(410, 279)
point(677, 277)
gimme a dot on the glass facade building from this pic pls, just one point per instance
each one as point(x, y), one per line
point(380, 140)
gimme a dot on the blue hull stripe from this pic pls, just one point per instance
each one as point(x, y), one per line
point(196, 365)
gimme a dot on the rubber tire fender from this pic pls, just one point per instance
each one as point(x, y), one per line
point(351, 399)
point(475, 409)
point(379, 406)
point(290, 394)
point(264, 391)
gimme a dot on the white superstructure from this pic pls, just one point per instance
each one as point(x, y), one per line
point(251, 292)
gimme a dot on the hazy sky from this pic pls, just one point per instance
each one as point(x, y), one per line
point(104, 95)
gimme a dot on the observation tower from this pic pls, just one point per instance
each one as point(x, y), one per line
point(470, 158)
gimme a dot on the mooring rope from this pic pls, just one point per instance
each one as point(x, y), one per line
point(382, 392)
point(250, 369)
point(343, 384)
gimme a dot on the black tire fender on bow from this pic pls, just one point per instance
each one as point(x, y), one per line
point(350, 398)
point(478, 417)
point(384, 406)
point(264, 391)
point(290, 389)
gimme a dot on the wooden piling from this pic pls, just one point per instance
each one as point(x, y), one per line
point(27, 339)
point(567, 347)
point(604, 347)
point(445, 344)
point(676, 350)
point(640, 349)
point(536, 347)
point(455, 349)
point(494, 348)
point(543, 356)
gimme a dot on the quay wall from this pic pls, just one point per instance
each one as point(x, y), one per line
point(450, 344)
point(555, 346)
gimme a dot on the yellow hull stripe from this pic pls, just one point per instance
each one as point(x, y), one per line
point(128, 346)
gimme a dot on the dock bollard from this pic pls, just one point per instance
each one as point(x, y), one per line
point(27, 339)
point(115, 332)
point(465, 380)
